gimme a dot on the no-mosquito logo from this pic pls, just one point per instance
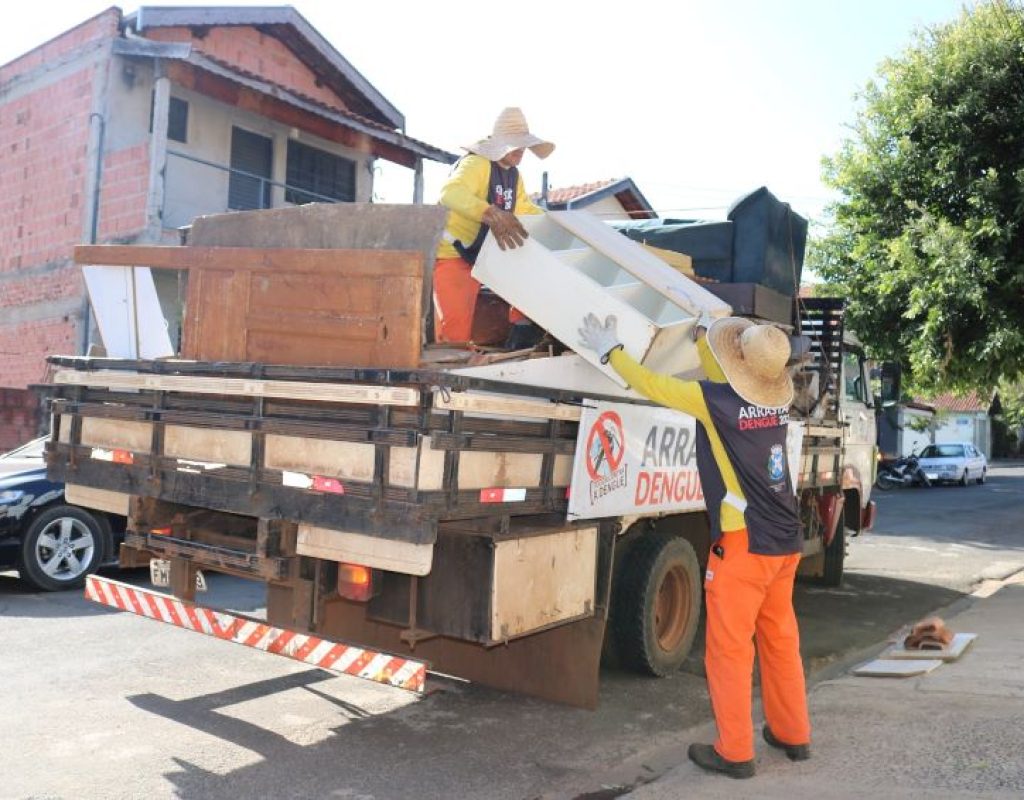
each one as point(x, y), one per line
point(606, 446)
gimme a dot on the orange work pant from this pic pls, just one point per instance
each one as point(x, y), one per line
point(455, 292)
point(748, 596)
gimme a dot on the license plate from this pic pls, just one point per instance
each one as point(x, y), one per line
point(160, 574)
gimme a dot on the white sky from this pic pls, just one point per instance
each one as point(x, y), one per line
point(698, 101)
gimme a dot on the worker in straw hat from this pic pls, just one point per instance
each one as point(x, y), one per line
point(484, 193)
point(743, 412)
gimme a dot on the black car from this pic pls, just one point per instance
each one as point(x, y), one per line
point(52, 543)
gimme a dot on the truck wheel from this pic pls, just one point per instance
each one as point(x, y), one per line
point(835, 555)
point(60, 547)
point(657, 604)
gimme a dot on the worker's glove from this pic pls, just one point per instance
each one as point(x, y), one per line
point(507, 229)
point(601, 337)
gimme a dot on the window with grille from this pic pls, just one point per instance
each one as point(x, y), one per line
point(252, 159)
point(323, 175)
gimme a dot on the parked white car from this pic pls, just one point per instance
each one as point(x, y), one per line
point(957, 462)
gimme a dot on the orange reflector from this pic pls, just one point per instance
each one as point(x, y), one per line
point(161, 531)
point(123, 457)
point(355, 582)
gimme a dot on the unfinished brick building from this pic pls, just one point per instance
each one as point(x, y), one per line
point(126, 127)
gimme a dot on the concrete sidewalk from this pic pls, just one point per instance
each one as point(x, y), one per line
point(955, 732)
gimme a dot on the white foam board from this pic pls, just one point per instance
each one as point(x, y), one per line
point(127, 310)
point(897, 668)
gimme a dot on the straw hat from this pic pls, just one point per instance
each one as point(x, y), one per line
point(753, 358)
point(510, 133)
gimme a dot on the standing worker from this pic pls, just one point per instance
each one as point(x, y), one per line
point(743, 413)
point(483, 193)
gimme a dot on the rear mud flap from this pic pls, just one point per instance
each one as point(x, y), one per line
point(560, 665)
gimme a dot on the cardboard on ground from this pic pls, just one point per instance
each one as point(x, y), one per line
point(897, 668)
point(951, 653)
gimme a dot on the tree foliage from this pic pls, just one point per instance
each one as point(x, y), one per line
point(927, 240)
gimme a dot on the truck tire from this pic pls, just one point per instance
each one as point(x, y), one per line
point(657, 604)
point(835, 555)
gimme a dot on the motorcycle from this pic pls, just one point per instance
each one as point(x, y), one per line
point(896, 472)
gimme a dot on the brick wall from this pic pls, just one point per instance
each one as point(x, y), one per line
point(44, 139)
point(102, 26)
point(20, 416)
point(123, 193)
point(246, 48)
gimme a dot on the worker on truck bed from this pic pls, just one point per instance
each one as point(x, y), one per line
point(483, 193)
point(743, 411)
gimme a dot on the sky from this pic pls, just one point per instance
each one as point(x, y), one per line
point(698, 101)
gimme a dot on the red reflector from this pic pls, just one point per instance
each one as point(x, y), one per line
point(123, 457)
point(322, 484)
point(502, 495)
point(161, 531)
point(355, 582)
point(568, 490)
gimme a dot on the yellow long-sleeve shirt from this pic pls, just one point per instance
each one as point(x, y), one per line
point(686, 396)
point(465, 196)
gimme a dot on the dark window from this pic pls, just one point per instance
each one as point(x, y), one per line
point(323, 174)
point(177, 118)
point(252, 157)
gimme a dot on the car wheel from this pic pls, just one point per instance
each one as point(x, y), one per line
point(61, 546)
point(981, 480)
point(963, 478)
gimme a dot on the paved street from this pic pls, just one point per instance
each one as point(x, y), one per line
point(102, 704)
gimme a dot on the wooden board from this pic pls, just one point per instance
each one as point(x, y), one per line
point(347, 460)
point(357, 309)
point(897, 668)
point(541, 580)
point(245, 387)
point(211, 445)
point(371, 551)
point(961, 641)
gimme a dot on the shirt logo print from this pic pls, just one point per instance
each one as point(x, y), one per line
point(777, 463)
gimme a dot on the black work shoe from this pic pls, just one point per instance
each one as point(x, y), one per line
point(795, 752)
point(706, 757)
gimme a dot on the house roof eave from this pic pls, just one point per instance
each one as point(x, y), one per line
point(286, 24)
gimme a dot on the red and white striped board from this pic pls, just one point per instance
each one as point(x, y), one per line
point(403, 673)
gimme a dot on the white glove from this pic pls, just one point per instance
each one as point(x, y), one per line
point(601, 338)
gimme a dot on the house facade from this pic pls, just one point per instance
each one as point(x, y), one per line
point(964, 418)
point(615, 199)
point(127, 127)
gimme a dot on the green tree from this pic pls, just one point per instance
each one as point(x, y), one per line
point(927, 240)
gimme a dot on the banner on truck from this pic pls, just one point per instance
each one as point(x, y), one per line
point(633, 459)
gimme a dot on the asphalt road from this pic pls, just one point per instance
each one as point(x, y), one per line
point(100, 704)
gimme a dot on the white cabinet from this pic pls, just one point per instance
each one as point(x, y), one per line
point(573, 263)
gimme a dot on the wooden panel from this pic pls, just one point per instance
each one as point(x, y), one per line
point(402, 469)
point(351, 460)
point(208, 444)
point(215, 336)
point(371, 551)
point(542, 580)
point(100, 499)
point(562, 474)
point(482, 470)
point(117, 434)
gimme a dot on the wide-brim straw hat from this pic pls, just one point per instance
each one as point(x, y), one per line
point(510, 133)
point(753, 358)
